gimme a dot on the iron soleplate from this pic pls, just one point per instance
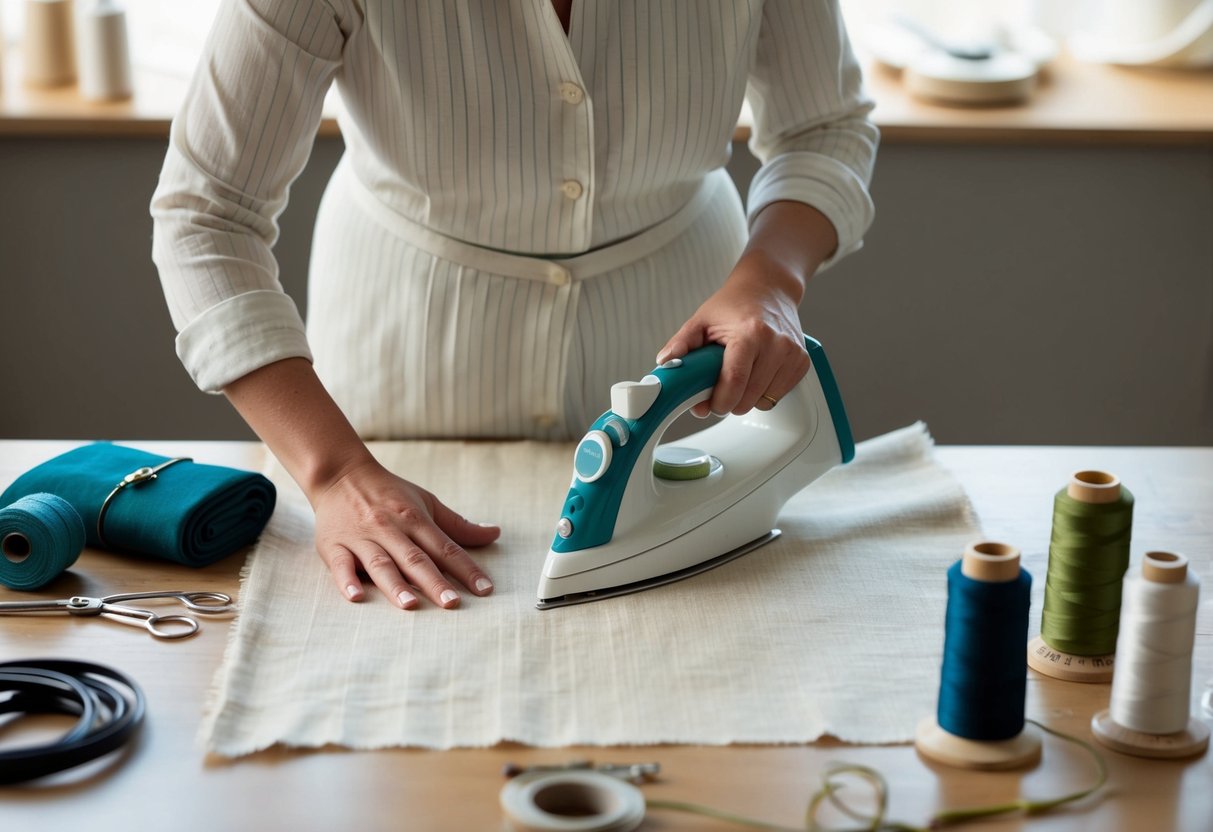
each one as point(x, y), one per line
point(660, 580)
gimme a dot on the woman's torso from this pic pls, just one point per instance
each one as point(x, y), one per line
point(484, 121)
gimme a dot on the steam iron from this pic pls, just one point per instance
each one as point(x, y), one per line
point(641, 514)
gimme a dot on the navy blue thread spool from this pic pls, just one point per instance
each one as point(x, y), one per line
point(979, 723)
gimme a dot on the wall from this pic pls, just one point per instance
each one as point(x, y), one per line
point(1005, 295)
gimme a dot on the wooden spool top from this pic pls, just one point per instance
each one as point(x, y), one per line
point(1164, 567)
point(991, 562)
point(1094, 487)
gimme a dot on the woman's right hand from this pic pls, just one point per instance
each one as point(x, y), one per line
point(400, 535)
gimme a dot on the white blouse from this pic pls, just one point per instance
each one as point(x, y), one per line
point(483, 121)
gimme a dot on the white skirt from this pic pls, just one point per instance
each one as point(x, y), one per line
point(418, 335)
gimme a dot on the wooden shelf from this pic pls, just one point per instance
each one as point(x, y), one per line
point(1075, 104)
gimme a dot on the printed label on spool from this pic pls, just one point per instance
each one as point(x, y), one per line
point(1067, 666)
point(1190, 742)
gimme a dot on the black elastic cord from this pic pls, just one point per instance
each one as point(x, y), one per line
point(108, 716)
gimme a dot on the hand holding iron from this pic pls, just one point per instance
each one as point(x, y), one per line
point(755, 314)
point(754, 317)
point(401, 535)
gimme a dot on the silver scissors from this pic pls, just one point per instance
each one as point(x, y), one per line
point(112, 606)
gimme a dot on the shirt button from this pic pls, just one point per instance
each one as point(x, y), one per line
point(560, 276)
point(571, 188)
point(572, 93)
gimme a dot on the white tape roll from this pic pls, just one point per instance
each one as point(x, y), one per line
point(573, 801)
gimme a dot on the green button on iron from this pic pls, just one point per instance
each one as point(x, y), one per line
point(671, 462)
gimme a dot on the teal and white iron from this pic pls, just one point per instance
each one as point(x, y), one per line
point(640, 514)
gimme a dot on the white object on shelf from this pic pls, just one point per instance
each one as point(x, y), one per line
point(997, 64)
point(1004, 78)
point(1176, 33)
point(104, 52)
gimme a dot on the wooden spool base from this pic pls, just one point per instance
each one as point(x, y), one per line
point(1190, 742)
point(1090, 669)
point(934, 743)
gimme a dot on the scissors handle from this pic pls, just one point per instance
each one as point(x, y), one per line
point(189, 625)
point(180, 626)
point(205, 603)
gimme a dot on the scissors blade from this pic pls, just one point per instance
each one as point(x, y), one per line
point(76, 605)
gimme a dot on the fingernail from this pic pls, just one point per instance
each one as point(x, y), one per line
point(482, 585)
point(406, 599)
point(487, 525)
point(353, 591)
point(448, 597)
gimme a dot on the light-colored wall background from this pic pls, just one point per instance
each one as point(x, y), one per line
point(1005, 295)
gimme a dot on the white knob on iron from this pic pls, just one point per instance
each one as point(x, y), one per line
point(632, 399)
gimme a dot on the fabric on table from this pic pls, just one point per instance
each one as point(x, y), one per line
point(835, 628)
point(191, 513)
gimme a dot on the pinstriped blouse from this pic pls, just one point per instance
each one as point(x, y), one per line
point(484, 121)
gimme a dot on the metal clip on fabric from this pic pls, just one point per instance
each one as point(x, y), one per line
point(136, 477)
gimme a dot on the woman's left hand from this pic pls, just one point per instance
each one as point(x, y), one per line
point(755, 315)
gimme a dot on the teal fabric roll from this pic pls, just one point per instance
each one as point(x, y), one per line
point(191, 513)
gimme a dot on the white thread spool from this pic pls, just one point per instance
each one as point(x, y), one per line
point(104, 53)
point(47, 51)
point(573, 801)
point(1149, 715)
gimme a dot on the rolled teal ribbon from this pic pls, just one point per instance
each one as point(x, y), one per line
point(41, 535)
point(190, 513)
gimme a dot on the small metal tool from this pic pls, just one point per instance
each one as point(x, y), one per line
point(111, 606)
point(637, 773)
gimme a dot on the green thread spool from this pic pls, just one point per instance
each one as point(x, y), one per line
point(1088, 557)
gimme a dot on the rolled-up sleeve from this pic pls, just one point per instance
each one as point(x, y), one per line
point(811, 127)
point(243, 134)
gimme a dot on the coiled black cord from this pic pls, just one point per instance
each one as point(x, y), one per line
point(109, 715)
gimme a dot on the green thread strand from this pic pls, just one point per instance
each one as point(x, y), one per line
point(876, 821)
point(1088, 556)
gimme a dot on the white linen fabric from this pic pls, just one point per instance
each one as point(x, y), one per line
point(835, 628)
point(483, 122)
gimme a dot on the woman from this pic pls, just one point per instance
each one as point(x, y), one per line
point(531, 201)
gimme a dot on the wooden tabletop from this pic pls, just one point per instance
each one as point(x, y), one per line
point(165, 779)
point(1075, 103)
